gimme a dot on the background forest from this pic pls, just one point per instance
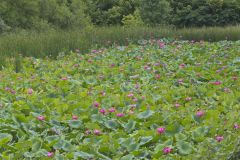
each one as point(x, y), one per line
point(68, 14)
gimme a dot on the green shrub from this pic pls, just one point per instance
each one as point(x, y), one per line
point(133, 19)
point(3, 26)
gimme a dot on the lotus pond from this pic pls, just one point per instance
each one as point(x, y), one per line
point(168, 100)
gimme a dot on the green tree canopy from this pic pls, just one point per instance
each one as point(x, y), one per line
point(155, 12)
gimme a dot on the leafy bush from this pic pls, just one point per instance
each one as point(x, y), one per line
point(3, 26)
point(132, 20)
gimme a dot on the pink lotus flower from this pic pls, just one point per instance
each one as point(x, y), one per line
point(234, 78)
point(96, 104)
point(76, 65)
point(87, 132)
point(97, 132)
point(50, 154)
point(199, 113)
point(74, 117)
point(182, 65)
point(111, 110)
point(130, 95)
point(180, 81)
point(120, 115)
point(161, 45)
point(135, 99)
point(219, 138)
point(90, 61)
point(12, 91)
point(94, 51)
point(64, 78)
point(161, 130)
point(217, 83)
point(236, 126)
point(177, 105)
point(30, 91)
point(103, 93)
point(41, 118)
point(137, 86)
point(112, 65)
point(103, 111)
point(227, 90)
point(158, 76)
point(167, 150)
point(147, 68)
point(7, 89)
point(188, 99)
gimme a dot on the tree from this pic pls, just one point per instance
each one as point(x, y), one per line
point(19, 13)
point(109, 12)
point(64, 14)
point(35, 14)
point(154, 12)
point(132, 20)
point(199, 13)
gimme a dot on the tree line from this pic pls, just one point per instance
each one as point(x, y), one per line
point(68, 14)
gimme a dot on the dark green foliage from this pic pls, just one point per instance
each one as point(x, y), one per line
point(21, 13)
point(155, 12)
point(109, 12)
point(68, 14)
point(42, 14)
point(3, 26)
point(205, 12)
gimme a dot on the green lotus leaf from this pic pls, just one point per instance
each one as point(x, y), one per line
point(111, 124)
point(84, 155)
point(184, 148)
point(145, 140)
point(127, 157)
point(146, 114)
point(75, 123)
point(130, 126)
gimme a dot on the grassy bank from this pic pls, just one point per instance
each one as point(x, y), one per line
point(50, 43)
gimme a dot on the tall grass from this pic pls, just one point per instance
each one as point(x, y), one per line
point(50, 43)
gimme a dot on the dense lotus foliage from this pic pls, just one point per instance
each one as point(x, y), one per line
point(156, 100)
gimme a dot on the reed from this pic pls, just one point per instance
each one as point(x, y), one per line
point(50, 43)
